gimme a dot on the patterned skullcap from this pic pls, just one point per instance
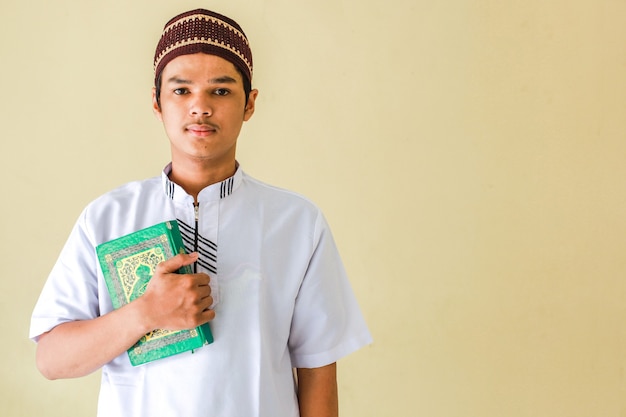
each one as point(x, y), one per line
point(205, 31)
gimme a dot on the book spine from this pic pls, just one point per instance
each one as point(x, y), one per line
point(176, 240)
point(203, 330)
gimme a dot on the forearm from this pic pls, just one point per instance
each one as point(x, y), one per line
point(171, 301)
point(317, 391)
point(78, 348)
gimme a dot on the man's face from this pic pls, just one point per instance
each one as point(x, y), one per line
point(202, 107)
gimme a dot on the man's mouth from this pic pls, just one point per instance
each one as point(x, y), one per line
point(201, 130)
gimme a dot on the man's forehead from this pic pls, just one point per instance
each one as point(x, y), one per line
point(213, 67)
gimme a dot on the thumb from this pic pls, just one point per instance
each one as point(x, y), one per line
point(174, 264)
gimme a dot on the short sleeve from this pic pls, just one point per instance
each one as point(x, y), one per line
point(71, 290)
point(327, 322)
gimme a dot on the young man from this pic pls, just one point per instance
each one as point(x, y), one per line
point(267, 276)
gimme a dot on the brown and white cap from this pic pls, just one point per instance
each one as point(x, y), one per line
point(205, 31)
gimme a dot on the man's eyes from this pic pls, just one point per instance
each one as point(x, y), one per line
point(218, 91)
point(222, 92)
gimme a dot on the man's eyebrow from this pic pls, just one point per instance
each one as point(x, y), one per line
point(223, 79)
point(177, 80)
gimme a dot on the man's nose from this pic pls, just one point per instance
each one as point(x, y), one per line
point(201, 106)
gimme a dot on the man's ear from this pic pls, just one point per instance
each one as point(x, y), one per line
point(156, 108)
point(249, 110)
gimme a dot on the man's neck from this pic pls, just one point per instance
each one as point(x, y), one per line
point(194, 177)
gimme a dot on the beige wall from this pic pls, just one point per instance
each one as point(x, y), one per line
point(469, 155)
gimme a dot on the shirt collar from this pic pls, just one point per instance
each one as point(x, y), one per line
point(213, 192)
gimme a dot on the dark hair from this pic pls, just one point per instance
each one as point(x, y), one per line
point(247, 87)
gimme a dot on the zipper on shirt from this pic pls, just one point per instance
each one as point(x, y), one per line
point(196, 210)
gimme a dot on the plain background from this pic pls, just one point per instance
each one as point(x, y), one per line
point(469, 155)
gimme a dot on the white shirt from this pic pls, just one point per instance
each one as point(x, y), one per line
point(281, 297)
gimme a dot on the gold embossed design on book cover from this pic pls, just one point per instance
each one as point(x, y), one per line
point(135, 272)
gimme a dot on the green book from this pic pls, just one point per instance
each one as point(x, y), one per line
point(128, 263)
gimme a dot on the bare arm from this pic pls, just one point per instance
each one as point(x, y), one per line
point(171, 301)
point(317, 391)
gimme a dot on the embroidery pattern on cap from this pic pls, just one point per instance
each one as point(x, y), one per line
point(183, 26)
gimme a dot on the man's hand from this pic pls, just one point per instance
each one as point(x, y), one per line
point(171, 301)
point(177, 301)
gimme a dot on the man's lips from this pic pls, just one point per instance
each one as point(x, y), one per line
point(201, 129)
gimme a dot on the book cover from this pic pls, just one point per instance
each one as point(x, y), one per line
point(128, 263)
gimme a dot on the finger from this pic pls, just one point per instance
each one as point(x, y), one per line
point(202, 279)
point(174, 264)
point(205, 297)
point(203, 292)
point(207, 315)
point(204, 300)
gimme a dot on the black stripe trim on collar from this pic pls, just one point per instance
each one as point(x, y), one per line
point(226, 188)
